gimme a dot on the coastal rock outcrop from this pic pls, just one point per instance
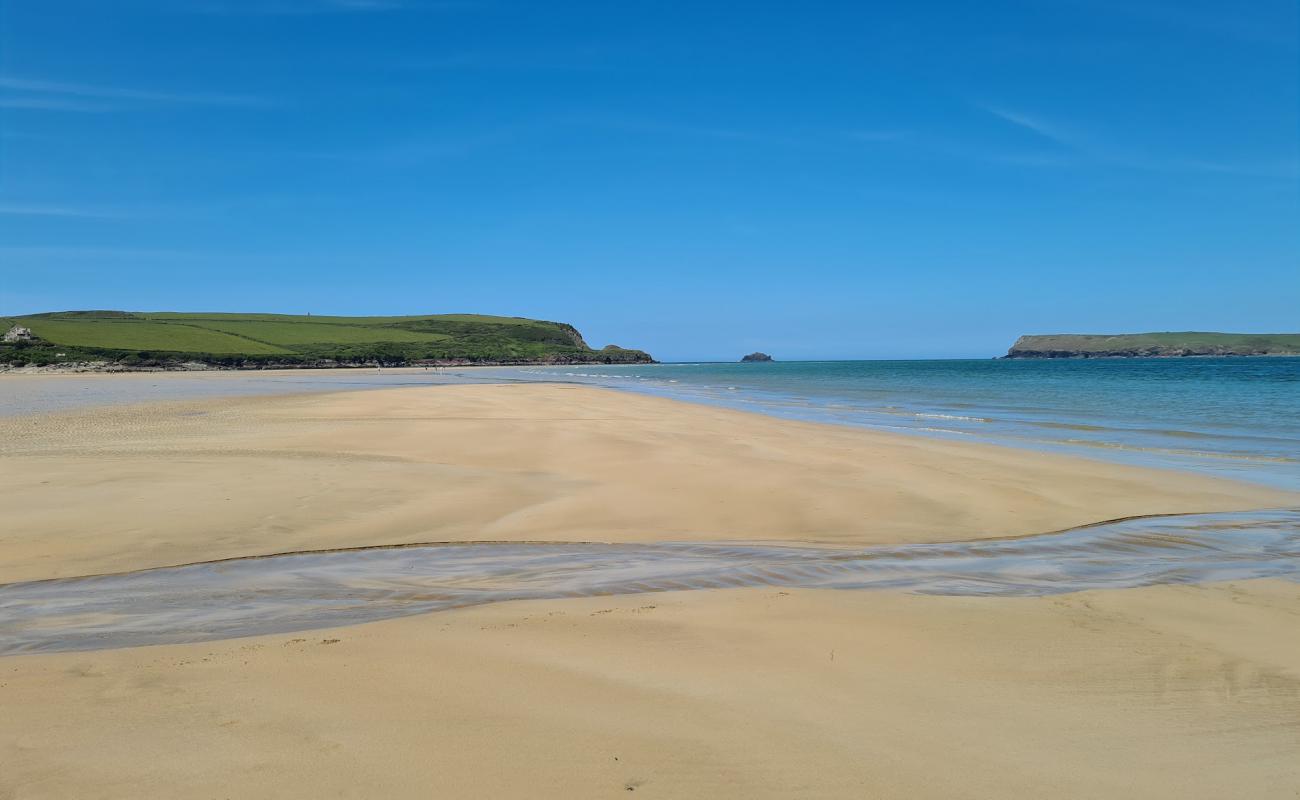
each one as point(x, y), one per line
point(755, 357)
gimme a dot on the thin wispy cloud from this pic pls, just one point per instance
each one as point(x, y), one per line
point(444, 146)
point(310, 7)
point(1080, 149)
point(669, 128)
point(57, 252)
point(877, 136)
point(1251, 23)
point(37, 210)
point(415, 150)
point(364, 5)
point(1032, 159)
point(53, 104)
point(1279, 168)
point(1033, 124)
point(37, 93)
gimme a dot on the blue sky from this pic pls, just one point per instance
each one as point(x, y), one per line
point(701, 179)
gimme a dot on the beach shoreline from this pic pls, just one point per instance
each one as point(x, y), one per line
point(127, 487)
point(1177, 691)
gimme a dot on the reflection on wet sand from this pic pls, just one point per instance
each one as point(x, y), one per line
point(301, 591)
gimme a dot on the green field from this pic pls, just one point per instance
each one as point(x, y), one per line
point(252, 340)
point(294, 333)
point(1189, 343)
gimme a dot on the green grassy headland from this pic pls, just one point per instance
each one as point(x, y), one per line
point(1192, 343)
point(267, 340)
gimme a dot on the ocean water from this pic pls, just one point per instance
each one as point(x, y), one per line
point(1236, 417)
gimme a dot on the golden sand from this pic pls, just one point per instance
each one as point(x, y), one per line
point(125, 488)
point(1166, 692)
point(1172, 691)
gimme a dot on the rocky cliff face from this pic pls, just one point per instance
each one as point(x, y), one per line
point(613, 354)
point(574, 337)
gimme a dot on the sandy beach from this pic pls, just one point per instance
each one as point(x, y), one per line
point(413, 399)
point(1166, 691)
point(117, 489)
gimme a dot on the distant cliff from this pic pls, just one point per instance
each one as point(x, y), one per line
point(1146, 345)
point(162, 340)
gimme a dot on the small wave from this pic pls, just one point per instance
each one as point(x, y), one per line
point(1067, 426)
point(895, 411)
point(1174, 451)
point(951, 416)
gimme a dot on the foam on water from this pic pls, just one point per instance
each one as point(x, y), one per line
point(1235, 417)
point(295, 592)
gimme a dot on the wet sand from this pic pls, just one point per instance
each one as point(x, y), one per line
point(42, 393)
point(300, 592)
point(122, 488)
point(1163, 692)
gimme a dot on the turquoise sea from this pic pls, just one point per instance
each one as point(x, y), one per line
point(1238, 417)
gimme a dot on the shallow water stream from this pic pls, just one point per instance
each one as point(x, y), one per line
point(295, 592)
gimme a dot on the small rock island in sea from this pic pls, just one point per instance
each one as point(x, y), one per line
point(752, 357)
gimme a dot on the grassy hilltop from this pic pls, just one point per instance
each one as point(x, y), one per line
point(1191, 343)
point(266, 340)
